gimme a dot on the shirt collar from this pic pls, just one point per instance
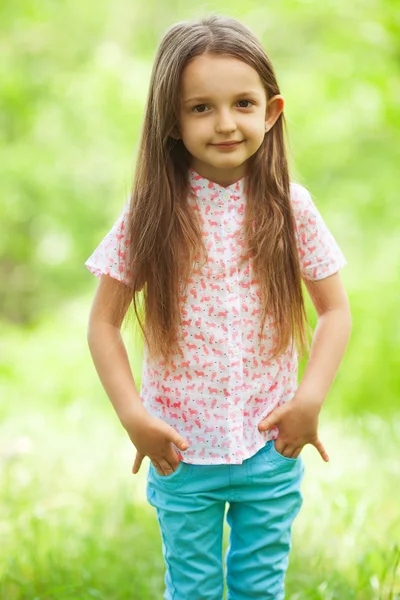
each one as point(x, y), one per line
point(201, 186)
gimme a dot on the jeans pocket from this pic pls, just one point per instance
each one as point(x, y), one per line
point(277, 456)
point(179, 475)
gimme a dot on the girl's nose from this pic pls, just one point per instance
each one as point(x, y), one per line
point(225, 124)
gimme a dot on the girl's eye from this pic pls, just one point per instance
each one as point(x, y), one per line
point(249, 101)
point(199, 106)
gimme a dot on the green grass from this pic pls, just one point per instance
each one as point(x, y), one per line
point(74, 521)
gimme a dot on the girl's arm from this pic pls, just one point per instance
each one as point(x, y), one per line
point(330, 338)
point(109, 353)
point(151, 436)
point(298, 420)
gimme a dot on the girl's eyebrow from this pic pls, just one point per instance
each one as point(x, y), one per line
point(206, 98)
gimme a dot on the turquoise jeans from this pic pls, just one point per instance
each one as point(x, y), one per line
point(264, 498)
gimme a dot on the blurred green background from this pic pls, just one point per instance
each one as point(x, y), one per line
point(74, 522)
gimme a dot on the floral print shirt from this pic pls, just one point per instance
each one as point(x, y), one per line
point(221, 384)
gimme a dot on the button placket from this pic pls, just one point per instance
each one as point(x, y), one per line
point(232, 305)
point(229, 216)
point(235, 356)
point(213, 230)
point(236, 342)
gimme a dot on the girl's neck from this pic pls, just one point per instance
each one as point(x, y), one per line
point(222, 177)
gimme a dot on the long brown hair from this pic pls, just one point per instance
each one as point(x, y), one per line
point(165, 234)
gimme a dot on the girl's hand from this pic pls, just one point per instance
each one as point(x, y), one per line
point(153, 437)
point(298, 426)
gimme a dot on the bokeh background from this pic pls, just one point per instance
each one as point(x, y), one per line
point(74, 522)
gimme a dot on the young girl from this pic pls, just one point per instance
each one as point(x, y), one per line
point(211, 250)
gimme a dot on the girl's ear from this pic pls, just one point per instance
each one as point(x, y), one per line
point(175, 134)
point(275, 107)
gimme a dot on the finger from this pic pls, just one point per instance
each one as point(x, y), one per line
point(271, 420)
point(280, 447)
point(290, 452)
point(267, 423)
point(179, 441)
point(286, 451)
point(321, 449)
point(157, 467)
point(296, 453)
point(138, 461)
point(174, 460)
point(166, 466)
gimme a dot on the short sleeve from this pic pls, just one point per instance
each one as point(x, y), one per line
point(319, 253)
point(111, 255)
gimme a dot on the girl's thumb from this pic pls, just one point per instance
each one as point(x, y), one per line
point(179, 441)
point(270, 421)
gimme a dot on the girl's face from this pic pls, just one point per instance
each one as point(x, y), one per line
point(223, 101)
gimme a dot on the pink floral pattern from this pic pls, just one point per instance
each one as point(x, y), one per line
point(220, 384)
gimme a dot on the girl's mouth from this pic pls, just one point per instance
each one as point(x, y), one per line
point(226, 145)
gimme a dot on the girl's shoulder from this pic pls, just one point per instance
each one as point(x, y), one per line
point(298, 193)
point(302, 201)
